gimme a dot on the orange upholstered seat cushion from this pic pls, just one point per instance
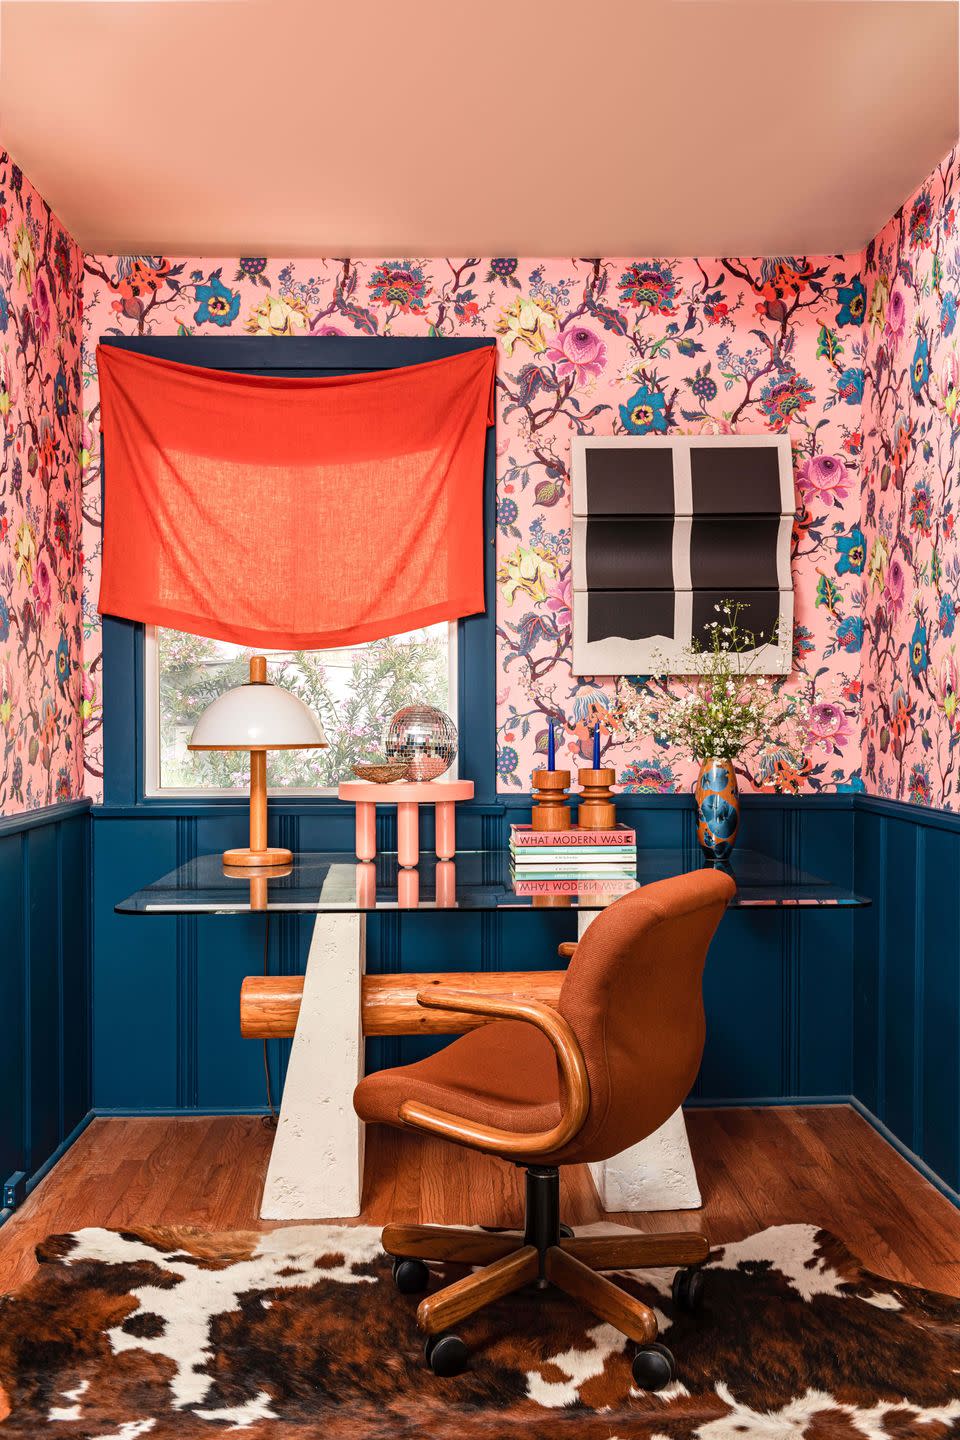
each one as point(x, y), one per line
point(504, 1074)
point(632, 998)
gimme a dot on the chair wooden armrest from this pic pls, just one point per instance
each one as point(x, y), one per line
point(574, 1085)
point(567, 949)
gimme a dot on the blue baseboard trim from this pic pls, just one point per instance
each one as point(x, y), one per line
point(761, 1102)
point(43, 1170)
point(919, 1165)
point(182, 1112)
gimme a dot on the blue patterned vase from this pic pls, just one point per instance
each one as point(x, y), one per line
point(718, 807)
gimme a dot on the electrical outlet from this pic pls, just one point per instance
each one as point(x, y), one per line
point(14, 1190)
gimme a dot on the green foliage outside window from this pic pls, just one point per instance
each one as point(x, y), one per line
point(353, 692)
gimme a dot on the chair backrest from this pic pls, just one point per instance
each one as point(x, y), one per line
point(633, 995)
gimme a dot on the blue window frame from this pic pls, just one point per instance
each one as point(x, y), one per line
point(123, 640)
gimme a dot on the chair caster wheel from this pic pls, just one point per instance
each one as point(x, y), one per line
point(653, 1367)
point(565, 1232)
point(411, 1277)
point(688, 1285)
point(445, 1354)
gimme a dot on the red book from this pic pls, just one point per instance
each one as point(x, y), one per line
point(524, 837)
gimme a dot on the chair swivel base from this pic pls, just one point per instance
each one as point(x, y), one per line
point(546, 1257)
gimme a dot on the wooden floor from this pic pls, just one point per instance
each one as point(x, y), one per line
point(823, 1165)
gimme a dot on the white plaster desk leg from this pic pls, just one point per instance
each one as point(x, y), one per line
point(316, 1165)
point(655, 1174)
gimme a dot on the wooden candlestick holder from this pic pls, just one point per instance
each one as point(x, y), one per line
point(598, 809)
point(551, 802)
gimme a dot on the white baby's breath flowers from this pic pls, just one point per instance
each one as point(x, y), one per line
point(728, 708)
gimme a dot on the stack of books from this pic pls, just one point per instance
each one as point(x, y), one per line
point(582, 861)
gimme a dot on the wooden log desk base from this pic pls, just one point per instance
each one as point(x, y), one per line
point(408, 796)
point(270, 1004)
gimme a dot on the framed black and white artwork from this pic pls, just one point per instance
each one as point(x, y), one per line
point(667, 528)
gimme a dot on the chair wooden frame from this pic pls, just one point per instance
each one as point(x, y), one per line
point(574, 1085)
point(543, 1255)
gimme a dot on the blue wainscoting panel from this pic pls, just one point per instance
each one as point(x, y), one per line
point(45, 1015)
point(939, 1006)
point(138, 1030)
point(779, 984)
point(744, 997)
point(820, 959)
point(13, 989)
point(44, 990)
point(869, 960)
point(906, 1030)
point(900, 890)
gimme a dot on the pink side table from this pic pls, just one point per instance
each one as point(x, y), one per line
point(408, 796)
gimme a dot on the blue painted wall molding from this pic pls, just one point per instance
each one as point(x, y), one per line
point(768, 974)
point(860, 1008)
point(906, 1032)
point(44, 991)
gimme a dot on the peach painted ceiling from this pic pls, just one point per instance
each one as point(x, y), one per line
point(500, 127)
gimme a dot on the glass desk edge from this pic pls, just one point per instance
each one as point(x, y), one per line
point(182, 891)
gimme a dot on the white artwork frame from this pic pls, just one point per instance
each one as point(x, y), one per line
point(673, 653)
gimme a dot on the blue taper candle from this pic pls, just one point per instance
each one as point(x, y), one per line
point(596, 745)
point(551, 748)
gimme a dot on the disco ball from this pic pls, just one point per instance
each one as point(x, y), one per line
point(424, 738)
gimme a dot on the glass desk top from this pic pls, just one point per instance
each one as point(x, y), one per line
point(338, 883)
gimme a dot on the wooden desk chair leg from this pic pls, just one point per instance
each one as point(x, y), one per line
point(455, 1302)
point(605, 1299)
point(630, 1251)
point(551, 1254)
point(448, 1242)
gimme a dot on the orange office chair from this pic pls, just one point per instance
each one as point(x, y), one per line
point(546, 1087)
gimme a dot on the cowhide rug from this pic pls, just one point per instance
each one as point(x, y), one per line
point(300, 1333)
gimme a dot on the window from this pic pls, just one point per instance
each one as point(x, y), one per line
point(353, 691)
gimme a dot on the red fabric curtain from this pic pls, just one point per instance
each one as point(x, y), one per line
point(293, 513)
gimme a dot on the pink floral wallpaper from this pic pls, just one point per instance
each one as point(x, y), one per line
point(854, 357)
point(632, 346)
point(41, 564)
point(910, 554)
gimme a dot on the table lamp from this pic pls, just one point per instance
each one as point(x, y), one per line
point(257, 717)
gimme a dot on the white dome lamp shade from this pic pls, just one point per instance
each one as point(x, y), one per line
point(257, 717)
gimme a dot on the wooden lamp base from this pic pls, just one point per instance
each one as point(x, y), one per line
point(258, 854)
point(272, 856)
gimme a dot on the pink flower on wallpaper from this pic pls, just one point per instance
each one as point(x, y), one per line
point(560, 601)
point(896, 318)
point(945, 686)
point(950, 373)
point(828, 727)
point(578, 352)
point(894, 588)
point(824, 478)
point(43, 589)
